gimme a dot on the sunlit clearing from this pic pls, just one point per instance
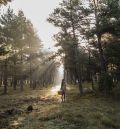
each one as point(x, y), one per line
point(68, 88)
point(55, 89)
point(57, 86)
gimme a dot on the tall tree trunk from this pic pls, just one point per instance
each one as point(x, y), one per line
point(1, 77)
point(21, 84)
point(30, 72)
point(21, 74)
point(30, 67)
point(5, 77)
point(102, 59)
point(104, 74)
point(78, 69)
point(89, 68)
point(14, 76)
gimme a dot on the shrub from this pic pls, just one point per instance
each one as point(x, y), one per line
point(105, 83)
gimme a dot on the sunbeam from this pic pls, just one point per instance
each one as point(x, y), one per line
point(59, 77)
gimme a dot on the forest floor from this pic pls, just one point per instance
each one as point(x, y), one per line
point(86, 112)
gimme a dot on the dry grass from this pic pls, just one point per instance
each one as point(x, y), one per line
point(87, 112)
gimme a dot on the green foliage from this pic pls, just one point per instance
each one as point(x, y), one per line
point(77, 22)
point(68, 18)
point(21, 47)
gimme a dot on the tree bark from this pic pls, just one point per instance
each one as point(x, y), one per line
point(78, 69)
point(14, 77)
point(5, 77)
point(102, 59)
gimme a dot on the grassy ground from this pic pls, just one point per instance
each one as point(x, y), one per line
point(87, 112)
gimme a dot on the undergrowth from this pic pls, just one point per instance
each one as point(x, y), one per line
point(86, 112)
